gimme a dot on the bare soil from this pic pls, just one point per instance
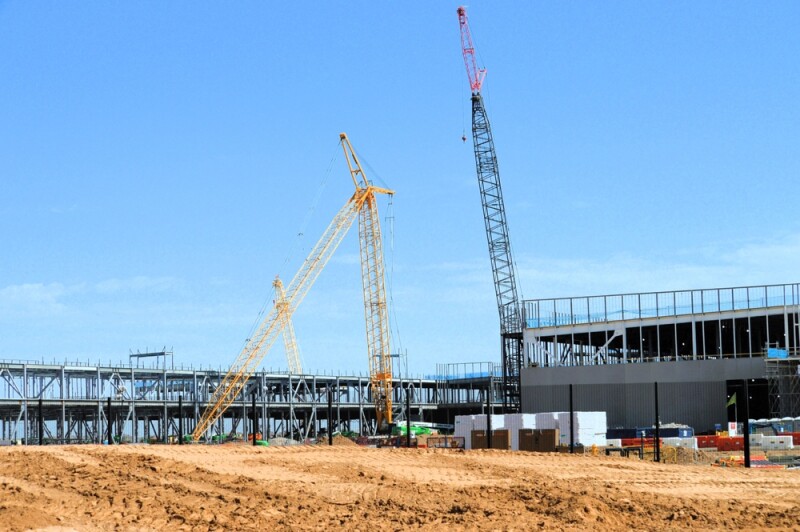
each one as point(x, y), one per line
point(230, 487)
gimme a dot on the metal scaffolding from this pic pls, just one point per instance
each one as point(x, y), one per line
point(783, 378)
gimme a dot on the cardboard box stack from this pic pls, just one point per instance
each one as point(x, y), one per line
point(590, 427)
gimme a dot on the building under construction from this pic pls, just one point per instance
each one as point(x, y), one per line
point(698, 345)
point(69, 403)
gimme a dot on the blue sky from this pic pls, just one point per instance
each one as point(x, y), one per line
point(161, 162)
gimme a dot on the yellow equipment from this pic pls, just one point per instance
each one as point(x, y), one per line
point(364, 205)
point(289, 340)
point(376, 313)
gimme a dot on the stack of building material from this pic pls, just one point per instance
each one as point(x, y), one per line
point(516, 422)
point(464, 425)
point(538, 440)
point(548, 420)
point(498, 430)
point(463, 429)
point(614, 442)
point(498, 422)
point(545, 440)
point(589, 428)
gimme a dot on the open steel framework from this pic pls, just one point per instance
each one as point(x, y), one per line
point(783, 379)
point(663, 326)
point(145, 403)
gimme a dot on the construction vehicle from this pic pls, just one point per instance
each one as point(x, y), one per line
point(363, 205)
point(494, 215)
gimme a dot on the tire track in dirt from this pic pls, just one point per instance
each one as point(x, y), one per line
point(246, 488)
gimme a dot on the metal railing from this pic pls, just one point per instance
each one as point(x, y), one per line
point(607, 308)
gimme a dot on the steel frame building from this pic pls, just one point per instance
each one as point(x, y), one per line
point(148, 404)
point(698, 345)
point(73, 402)
point(662, 326)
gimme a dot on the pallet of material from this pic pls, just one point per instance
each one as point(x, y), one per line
point(538, 440)
point(479, 439)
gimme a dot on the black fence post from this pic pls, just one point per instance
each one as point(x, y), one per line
point(266, 421)
point(108, 418)
point(489, 416)
point(408, 417)
point(255, 420)
point(571, 423)
point(746, 428)
point(41, 423)
point(658, 426)
point(180, 420)
point(330, 416)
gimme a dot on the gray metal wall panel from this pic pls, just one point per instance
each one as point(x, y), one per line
point(681, 371)
point(698, 404)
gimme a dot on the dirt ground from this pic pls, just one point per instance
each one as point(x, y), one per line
point(196, 487)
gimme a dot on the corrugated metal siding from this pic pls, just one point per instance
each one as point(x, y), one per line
point(698, 404)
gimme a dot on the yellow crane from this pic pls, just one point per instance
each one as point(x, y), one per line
point(289, 339)
point(362, 204)
point(376, 313)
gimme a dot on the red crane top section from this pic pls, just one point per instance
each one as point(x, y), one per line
point(474, 73)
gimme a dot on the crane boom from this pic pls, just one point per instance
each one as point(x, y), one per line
point(289, 339)
point(376, 314)
point(259, 344)
point(494, 215)
point(474, 73)
point(362, 204)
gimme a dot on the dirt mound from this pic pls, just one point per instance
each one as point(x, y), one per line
point(340, 440)
point(692, 456)
point(337, 440)
point(312, 487)
point(26, 516)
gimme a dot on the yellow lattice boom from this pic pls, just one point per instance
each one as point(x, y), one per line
point(376, 313)
point(361, 204)
point(289, 339)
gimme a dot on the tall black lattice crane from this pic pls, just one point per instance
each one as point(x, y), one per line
point(494, 216)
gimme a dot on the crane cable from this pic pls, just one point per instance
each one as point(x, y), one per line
point(389, 219)
point(272, 296)
point(392, 312)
